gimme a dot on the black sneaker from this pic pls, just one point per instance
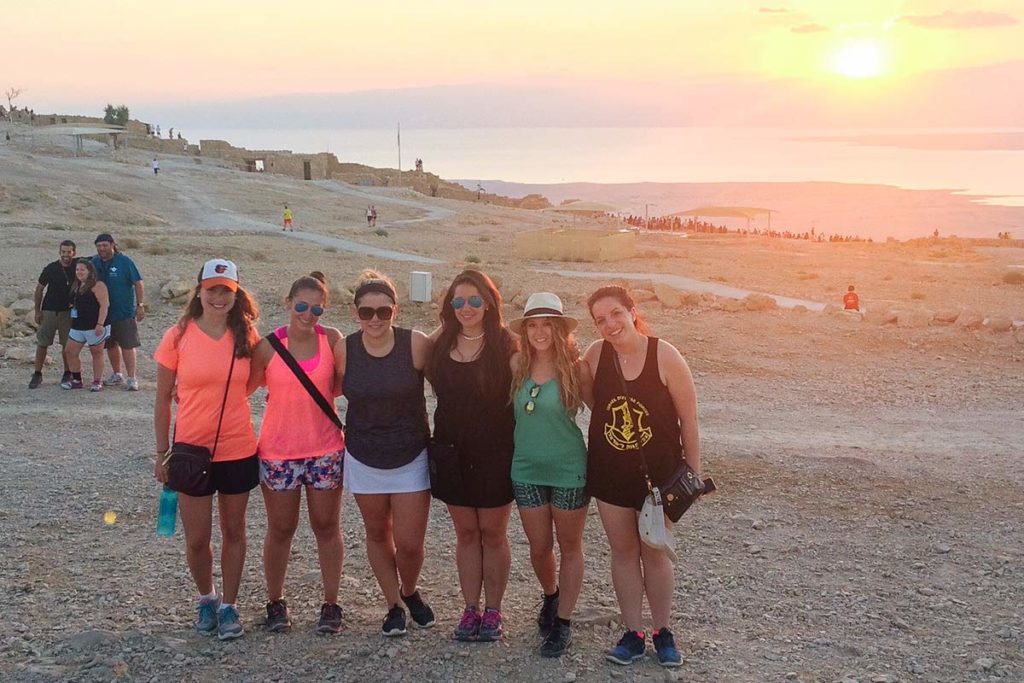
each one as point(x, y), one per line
point(66, 377)
point(557, 641)
point(420, 611)
point(631, 647)
point(548, 613)
point(665, 648)
point(330, 619)
point(394, 622)
point(278, 618)
point(37, 379)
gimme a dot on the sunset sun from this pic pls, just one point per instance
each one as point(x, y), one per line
point(859, 59)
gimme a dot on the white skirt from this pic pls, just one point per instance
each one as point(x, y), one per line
point(361, 478)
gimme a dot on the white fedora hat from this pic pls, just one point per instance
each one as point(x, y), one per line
point(543, 305)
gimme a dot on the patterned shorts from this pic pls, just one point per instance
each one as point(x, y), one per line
point(322, 474)
point(535, 496)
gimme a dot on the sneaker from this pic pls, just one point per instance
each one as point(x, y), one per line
point(66, 377)
point(420, 611)
point(330, 619)
point(630, 648)
point(114, 378)
point(72, 384)
point(548, 613)
point(206, 620)
point(394, 622)
point(278, 617)
point(37, 379)
point(557, 640)
point(665, 648)
point(469, 625)
point(97, 385)
point(229, 626)
point(132, 384)
point(490, 626)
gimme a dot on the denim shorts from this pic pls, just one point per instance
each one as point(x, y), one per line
point(535, 496)
point(322, 473)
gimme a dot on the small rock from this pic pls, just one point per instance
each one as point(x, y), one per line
point(984, 664)
point(569, 677)
point(758, 524)
point(754, 550)
point(942, 548)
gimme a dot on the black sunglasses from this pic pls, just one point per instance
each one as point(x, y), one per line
point(382, 312)
point(302, 307)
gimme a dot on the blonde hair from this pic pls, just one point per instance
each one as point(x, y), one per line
point(567, 357)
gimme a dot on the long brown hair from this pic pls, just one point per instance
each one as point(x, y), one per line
point(499, 344)
point(241, 320)
point(620, 294)
point(315, 281)
point(80, 287)
point(567, 356)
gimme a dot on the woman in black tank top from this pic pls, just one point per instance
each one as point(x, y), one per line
point(658, 412)
point(90, 303)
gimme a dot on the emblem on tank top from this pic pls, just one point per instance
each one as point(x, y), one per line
point(627, 429)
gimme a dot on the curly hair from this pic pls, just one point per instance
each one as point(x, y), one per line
point(567, 356)
point(499, 343)
point(241, 320)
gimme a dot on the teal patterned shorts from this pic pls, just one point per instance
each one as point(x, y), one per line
point(535, 496)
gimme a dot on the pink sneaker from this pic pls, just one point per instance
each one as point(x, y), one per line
point(490, 626)
point(469, 625)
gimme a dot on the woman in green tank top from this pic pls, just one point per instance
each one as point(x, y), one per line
point(550, 384)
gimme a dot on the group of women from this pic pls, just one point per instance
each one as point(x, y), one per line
point(504, 431)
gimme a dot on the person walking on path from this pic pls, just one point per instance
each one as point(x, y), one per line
point(52, 301)
point(470, 373)
point(123, 281)
point(156, 166)
point(287, 217)
point(644, 397)
point(550, 383)
point(301, 447)
point(386, 446)
point(203, 362)
point(89, 325)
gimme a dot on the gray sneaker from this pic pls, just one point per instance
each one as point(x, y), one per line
point(132, 384)
point(114, 379)
point(229, 626)
point(206, 621)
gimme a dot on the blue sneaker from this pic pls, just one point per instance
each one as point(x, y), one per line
point(665, 648)
point(206, 621)
point(631, 647)
point(229, 626)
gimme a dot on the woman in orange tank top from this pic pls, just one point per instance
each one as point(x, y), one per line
point(301, 447)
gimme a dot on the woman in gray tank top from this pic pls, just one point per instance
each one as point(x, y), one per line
point(385, 446)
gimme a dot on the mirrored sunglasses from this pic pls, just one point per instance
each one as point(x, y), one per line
point(474, 301)
point(382, 312)
point(531, 405)
point(302, 307)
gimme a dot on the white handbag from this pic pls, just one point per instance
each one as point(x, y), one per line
point(651, 524)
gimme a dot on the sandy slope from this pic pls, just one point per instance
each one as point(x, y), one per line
point(870, 515)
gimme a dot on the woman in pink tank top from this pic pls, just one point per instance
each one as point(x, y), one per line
point(301, 447)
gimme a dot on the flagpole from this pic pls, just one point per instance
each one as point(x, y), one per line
point(399, 153)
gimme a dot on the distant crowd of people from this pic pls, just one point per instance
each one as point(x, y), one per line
point(692, 225)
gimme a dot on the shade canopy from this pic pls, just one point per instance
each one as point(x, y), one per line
point(747, 212)
point(583, 207)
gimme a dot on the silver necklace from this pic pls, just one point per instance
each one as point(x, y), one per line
point(467, 338)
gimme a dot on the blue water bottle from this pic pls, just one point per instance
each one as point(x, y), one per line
point(168, 516)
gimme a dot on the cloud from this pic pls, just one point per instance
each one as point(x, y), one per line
point(774, 10)
point(808, 28)
point(960, 20)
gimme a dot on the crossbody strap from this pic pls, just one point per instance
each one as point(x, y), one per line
point(304, 379)
point(220, 420)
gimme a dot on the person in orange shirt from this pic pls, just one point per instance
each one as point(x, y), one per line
point(851, 302)
point(205, 360)
point(301, 447)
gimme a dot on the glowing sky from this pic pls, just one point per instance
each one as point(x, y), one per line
point(68, 53)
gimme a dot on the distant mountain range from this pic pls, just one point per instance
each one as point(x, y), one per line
point(971, 97)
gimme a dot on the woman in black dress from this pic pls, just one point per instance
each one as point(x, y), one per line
point(469, 370)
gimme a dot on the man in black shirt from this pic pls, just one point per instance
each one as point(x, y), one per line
point(53, 311)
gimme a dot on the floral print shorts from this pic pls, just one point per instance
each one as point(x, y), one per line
point(322, 473)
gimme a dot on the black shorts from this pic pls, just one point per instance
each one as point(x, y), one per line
point(234, 476)
point(124, 333)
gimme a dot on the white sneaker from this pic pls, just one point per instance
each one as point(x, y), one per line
point(132, 384)
point(114, 378)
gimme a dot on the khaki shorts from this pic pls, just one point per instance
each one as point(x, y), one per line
point(124, 333)
point(54, 322)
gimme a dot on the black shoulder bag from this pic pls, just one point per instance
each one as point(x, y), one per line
point(188, 465)
point(304, 379)
point(683, 488)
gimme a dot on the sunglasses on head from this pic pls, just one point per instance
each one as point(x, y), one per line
point(531, 405)
point(302, 307)
point(382, 312)
point(460, 301)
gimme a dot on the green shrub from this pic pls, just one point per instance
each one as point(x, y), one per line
point(917, 296)
point(129, 243)
point(1014, 277)
point(380, 232)
point(472, 259)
